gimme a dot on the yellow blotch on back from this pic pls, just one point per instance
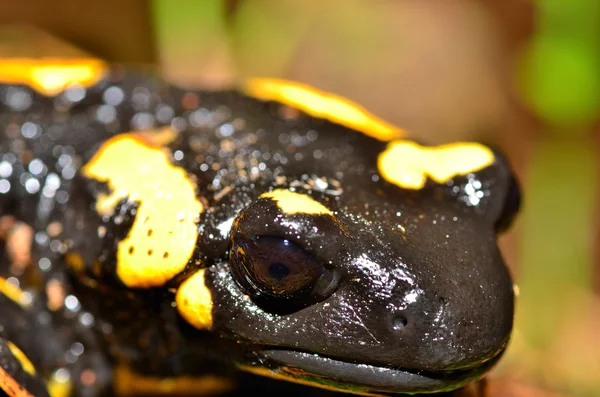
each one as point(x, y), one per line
point(408, 165)
point(50, 76)
point(164, 233)
point(21, 358)
point(194, 301)
point(322, 105)
point(296, 203)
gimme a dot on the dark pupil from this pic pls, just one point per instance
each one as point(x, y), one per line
point(278, 271)
point(276, 266)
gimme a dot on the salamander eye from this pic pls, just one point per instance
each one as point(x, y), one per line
point(280, 274)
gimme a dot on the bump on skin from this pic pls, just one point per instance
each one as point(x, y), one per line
point(322, 105)
point(166, 216)
point(194, 301)
point(50, 76)
point(408, 165)
point(296, 203)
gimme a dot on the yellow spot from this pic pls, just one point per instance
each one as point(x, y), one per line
point(408, 165)
point(11, 292)
point(60, 384)
point(194, 301)
point(75, 261)
point(129, 383)
point(21, 358)
point(282, 374)
point(164, 233)
point(296, 203)
point(50, 76)
point(322, 105)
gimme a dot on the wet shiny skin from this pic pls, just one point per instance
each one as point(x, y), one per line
point(417, 296)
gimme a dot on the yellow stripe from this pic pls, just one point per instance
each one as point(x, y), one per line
point(322, 105)
point(22, 358)
point(280, 374)
point(408, 165)
point(163, 236)
point(50, 76)
point(129, 383)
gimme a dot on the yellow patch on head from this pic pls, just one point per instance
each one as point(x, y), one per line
point(296, 203)
point(322, 105)
point(408, 165)
point(50, 76)
point(12, 292)
point(164, 233)
point(21, 358)
point(194, 301)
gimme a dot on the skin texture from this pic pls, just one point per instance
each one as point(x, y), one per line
point(300, 245)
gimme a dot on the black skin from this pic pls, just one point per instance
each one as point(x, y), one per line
point(427, 308)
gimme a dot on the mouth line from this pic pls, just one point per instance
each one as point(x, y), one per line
point(367, 378)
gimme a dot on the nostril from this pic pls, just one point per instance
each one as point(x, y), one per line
point(399, 322)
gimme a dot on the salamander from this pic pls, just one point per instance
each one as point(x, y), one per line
point(185, 235)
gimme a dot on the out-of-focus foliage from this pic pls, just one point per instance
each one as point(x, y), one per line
point(360, 49)
point(193, 42)
point(559, 74)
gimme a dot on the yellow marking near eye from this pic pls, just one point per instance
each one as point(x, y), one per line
point(12, 292)
point(129, 383)
point(322, 105)
point(164, 233)
point(408, 165)
point(296, 203)
point(194, 301)
point(21, 358)
point(50, 76)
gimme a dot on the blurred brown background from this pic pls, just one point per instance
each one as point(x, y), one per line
point(520, 74)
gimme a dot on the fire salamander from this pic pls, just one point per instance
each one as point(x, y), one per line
point(158, 240)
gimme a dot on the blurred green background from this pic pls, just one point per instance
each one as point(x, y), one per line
point(521, 74)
